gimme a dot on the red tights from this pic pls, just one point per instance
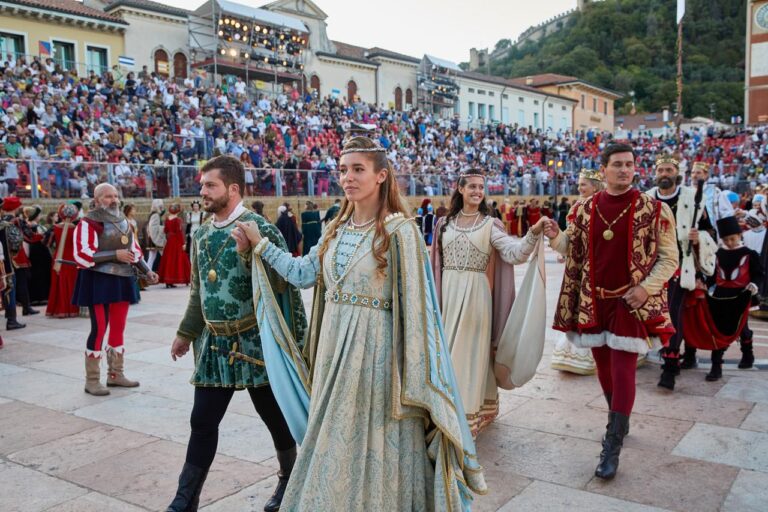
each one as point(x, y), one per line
point(102, 315)
point(616, 372)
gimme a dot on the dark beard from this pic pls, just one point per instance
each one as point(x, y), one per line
point(665, 183)
point(217, 204)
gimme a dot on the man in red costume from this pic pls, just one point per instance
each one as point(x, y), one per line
point(106, 252)
point(619, 311)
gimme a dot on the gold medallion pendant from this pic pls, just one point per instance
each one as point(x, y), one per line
point(124, 240)
point(212, 275)
point(608, 234)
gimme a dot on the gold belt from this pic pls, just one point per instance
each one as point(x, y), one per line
point(231, 327)
point(355, 299)
point(602, 293)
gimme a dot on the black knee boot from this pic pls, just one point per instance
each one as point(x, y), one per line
point(191, 482)
point(689, 359)
point(670, 369)
point(747, 355)
point(618, 425)
point(285, 458)
point(716, 372)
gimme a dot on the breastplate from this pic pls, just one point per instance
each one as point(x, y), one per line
point(112, 239)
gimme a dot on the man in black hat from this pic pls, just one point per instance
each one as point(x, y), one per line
point(732, 288)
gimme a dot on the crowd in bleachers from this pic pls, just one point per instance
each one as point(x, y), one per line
point(144, 132)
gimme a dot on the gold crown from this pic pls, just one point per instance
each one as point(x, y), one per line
point(700, 165)
point(591, 174)
point(667, 159)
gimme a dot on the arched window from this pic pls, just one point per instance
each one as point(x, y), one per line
point(398, 99)
point(161, 63)
point(314, 83)
point(180, 65)
point(351, 92)
point(409, 97)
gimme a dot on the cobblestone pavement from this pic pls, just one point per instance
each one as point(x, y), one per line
point(703, 448)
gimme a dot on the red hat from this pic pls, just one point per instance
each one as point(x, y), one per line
point(11, 204)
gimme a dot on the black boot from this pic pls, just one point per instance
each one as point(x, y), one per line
point(689, 359)
point(618, 425)
point(670, 369)
point(191, 482)
point(747, 355)
point(29, 311)
point(12, 325)
point(285, 458)
point(716, 372)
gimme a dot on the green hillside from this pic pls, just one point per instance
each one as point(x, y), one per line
point(629, 45)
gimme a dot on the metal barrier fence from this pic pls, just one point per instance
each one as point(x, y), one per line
point(77, 179)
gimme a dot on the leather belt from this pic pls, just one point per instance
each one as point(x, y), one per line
point(618, 293)
point(231, 327)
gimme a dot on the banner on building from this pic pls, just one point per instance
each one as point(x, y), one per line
point(163, 67)
point(126, 61)
point(44, 49)
point(335, 93)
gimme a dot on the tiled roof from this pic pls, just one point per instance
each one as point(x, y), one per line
point(545, 79)
point(148, 5)
point(68, 7)
point(506, 82)
point(376, 51)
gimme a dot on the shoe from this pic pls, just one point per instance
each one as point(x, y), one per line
point(12, 325)
point(92, 376)
point(115, 375)
point(747, 355)
point(670, 369)
point(716, 373)
point(614, 439)
point(29, 311)
point(286, 459)
point(191, 482)
point(689, 359)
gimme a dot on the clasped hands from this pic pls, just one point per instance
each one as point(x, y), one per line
point(246, 235)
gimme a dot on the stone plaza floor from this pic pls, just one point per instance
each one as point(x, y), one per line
point(703, 448)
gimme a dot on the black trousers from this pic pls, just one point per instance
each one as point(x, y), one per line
point(675, 296)
point(208, 411)
point(23, 276)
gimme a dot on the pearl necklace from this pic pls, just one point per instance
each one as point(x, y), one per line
point(365, 224)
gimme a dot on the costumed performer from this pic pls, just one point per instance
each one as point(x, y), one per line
point(385, 426)
point(619, 311)
point(566, 356)
point(174, 265)
point(107, 255)
point(691, 231)
point(220, 325)
point(64, 269)
point(472, 262)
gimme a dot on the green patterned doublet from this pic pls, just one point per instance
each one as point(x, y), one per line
point(236, 360)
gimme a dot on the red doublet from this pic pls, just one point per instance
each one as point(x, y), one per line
point(63, 282)
point(610, 269)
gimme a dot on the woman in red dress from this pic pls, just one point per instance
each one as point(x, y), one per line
point(64, 270)
point(174, 265)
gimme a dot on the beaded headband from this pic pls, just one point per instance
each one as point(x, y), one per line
point(667, 159)
point(591, 174)
point(471, 174)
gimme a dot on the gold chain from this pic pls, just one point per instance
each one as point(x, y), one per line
point(212, 274)
point(608, 233)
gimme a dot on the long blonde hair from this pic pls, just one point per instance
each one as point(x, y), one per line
point(390, 201)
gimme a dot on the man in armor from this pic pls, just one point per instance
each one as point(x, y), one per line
point(11, 240)
point(107, 254)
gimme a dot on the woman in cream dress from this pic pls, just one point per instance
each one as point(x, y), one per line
point(472, 261)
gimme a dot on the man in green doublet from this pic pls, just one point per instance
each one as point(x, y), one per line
point(220, 326)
